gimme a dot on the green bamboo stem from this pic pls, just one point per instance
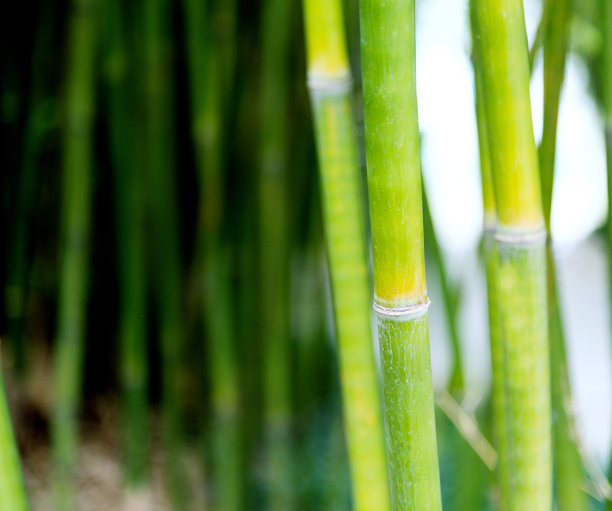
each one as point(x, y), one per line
point(491, 258)
point(456, 383)
point(160, 164)
point(330, 92)
point(400, 292)
point(75, 227)
point(209, 82)
point(568, 467)
point(521, 283)
point(273, 238)
point(13, 495)
point(131, 247)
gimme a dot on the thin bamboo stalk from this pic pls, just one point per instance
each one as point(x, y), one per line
point(329, 81)
point(12, 488)
point(400, 292)
point(274, 249)
point(75, 226)
point(491, 258)
point(208, 89)
point(568, 467)
point(131, 248)
point(160, 165)
point(456, 383)
point(521, 283)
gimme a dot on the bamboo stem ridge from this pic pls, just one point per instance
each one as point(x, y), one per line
point(329, 82)
point(400, 292)
point(521, 277)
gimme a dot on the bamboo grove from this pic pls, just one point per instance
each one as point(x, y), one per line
point(223, 260)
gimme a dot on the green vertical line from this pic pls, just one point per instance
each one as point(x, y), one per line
point(161, 176)
point(400, 291)
point(273, 239)
point(209, 84)
point(12, 489)
point(521, 277)
point(129, 197)
point(491, 258)
point(75, 231)
point(568, 469)
point(343, 216)
point(456, 384)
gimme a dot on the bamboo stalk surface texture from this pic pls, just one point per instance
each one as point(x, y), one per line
point(329, 81)
point(400, 292)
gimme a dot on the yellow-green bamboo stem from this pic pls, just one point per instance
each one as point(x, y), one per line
point(521, 282)
point(330, 91)
point(12, 489)
point(491, 269)
point(568, 468)
point(75, 228)
point(210, 73)
point(400, 292)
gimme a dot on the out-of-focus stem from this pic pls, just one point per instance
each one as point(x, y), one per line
point(273, 239)
point(75, 229)
point(131, 247)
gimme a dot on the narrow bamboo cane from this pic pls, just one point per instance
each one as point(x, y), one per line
point(75, 228)
point(329, 82)
point(209, 82)
point(456, 383)
point(491, 258)
point(273, 239)
point(606, 11)
point(400, 292)
point(12, 489)
point(521, 244)
point(568, 468)
point(162, 209)
point(131, 247)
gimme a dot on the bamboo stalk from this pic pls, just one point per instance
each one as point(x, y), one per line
point(400, 292)
point(521, 283)
point(568, 467)
point(329, 82)
point(162, 208)
point(12, 488)
point(274, 246)
point(209, 82)
point(491, 258)
point(456, 383)
point(131, 247)
point(75, 226)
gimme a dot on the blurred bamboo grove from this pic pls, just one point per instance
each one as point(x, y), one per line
point(186, 316)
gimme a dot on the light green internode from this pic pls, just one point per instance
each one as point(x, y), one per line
point(409, 411)
point(524, 328)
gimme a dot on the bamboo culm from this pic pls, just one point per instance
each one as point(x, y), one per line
point(400, 292)
point(521, 275)
point(274, 250)
point(75, 227)
point(329, 81)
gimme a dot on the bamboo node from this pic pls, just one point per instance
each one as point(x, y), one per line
point(521, 238)
point(330, 84)
point(413, 311)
